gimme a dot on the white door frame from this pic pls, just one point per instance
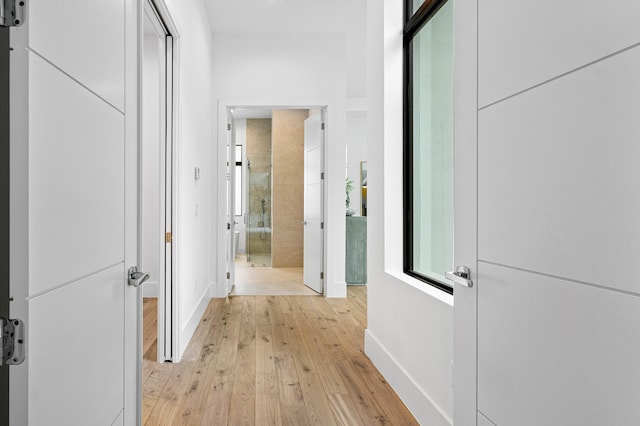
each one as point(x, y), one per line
point(168, 331)
point(230, 218)
point(334, 236)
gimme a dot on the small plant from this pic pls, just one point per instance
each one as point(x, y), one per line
point(348, 188)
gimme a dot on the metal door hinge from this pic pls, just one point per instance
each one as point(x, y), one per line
point(322, 175)
point(168, 237)
point(11, 13)
point(11, 341)
point(228, 126)
point(321, 225)
point(228, 275)
point(228, 226)
point(322, 275)
point(322, 126)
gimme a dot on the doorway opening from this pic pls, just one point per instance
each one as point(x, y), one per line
point(275, 205)
point(157, 179)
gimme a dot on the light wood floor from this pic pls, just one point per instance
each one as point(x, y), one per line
point(271, 360)
point(263, 281)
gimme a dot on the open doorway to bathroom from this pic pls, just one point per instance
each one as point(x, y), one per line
point(273, 198)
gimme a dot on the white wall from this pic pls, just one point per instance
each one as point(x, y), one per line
point(289, 70)
point(410, 324)
point(150, 206)
point(356, 153)
point(194, 137)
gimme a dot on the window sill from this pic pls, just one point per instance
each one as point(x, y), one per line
point(423, 287)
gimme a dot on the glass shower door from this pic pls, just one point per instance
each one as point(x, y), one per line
point(258, 230)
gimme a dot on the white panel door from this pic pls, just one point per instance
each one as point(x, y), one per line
point(556, 352)
point(549, 332)
point(73, 179)
point(313, 215)
point(527, 43)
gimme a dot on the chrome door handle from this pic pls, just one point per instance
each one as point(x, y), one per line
point(460, 276)
point(136, 278)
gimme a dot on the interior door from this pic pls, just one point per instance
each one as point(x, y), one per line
point(549, 333)
point(74, 212)
point(313, 207)
point(231, 203)
point(157, 173)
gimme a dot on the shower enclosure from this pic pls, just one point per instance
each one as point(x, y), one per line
point(258, 227)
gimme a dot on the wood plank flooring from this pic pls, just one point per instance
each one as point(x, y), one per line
point(271, 360)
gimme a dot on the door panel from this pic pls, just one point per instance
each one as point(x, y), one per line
point(483, 421)
point(85, 39)
point(561, 360)
point(541, 40)
point(76, 180)
point(556, 329)
point(69, 198)
point(75, 352)
point(313, 233)
point(565, 207)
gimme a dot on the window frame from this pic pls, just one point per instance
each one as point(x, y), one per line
point(414, 22)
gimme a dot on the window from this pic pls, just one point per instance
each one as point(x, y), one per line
point(428, 141)
point(238, 208)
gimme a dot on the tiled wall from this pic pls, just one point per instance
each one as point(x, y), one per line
point(288, 187)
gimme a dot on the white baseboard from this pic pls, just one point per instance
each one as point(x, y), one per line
point(414, 397)
point(150, 289)
point(190, 327)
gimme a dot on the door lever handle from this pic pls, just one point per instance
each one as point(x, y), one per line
point(136, 278)
point(460, 276)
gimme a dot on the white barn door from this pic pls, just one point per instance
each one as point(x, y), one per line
point(74, 211)
point(549, 334)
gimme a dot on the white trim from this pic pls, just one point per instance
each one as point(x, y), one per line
point(164, 14)
point(213, 286)
point(150, 289)
point(190, 326)
point(421, 405)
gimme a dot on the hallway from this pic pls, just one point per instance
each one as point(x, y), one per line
point(263, 281)
point(289, 360)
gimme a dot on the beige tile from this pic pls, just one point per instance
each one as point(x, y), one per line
point(288, 199)
point(268, 281)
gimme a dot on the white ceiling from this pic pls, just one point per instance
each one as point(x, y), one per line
point(283, 16)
